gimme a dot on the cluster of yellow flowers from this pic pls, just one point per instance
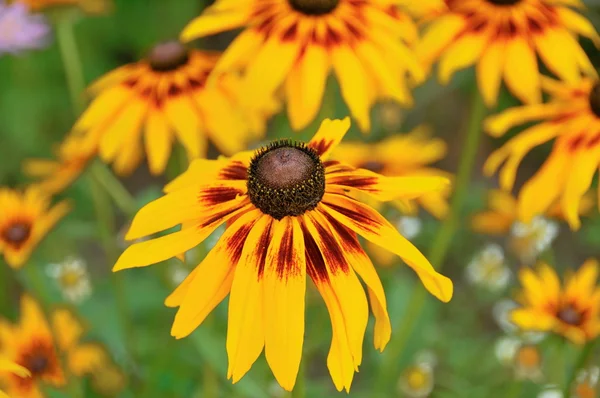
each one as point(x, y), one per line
point(294, 209)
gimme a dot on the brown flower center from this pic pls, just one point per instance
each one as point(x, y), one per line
point(594, 99)
point(37, 364)
point(314, 7)
point(504, 2)
point(17, 233)
point(286, 179)
point(570, 315)
point(373, 165)
point(168, 56)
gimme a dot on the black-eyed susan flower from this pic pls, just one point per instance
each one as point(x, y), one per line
point(289, 215)
point(383, 158)
point(146, 106)
point(11, 368)
point(295, 44)
point(572, 119)
point(55, 175)
point(46, 350)
point(504, 38)
point(30, 344)
point(571, 310)
point(25, 219)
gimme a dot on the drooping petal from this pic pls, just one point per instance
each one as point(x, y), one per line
point(245, 327)
point(211, 280)
point(361, 263)
point(284, 287)
point(372, 226)
point(521, 72)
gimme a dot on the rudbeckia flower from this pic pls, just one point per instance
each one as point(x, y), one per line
point(295, 43)
point(504, 39)
point(382, 158)
point(163, 98)
point(572, 118)
point(571, 310)
point(25, 219)
point(56, 175)
point(46, 351)
point(31, 345)
point(288, 215)
point(7, 366)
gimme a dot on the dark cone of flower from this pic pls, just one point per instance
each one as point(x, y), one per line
point(17, 233)
point(314, 7)
point(504, 2)
point(569, 315)
point(168, 56)
point(286, 179)
point(595, 99)
point(37, 364)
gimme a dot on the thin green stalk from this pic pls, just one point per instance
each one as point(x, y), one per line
point(441, 243)
point(71, 62)
point(120, 196)
point(580, 363)
point(300, 387)
point(5, 277)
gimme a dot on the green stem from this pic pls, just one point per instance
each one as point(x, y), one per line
point(581, 362)
point(5, 279)
point(71, 62)
point(122, 198)
point(441, 243)
point(105, 217)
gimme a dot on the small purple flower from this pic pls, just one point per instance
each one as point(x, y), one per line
point(20, 30)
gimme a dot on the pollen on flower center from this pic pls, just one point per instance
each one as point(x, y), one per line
point(570, 316)
point(314, 7)
point(17, 233)
point(168, 56)
point(286, 179)
point(504, 2)
point(594, 99)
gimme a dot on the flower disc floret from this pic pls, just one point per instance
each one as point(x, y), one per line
point(286, 179)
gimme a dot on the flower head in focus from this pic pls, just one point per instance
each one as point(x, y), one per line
point(25, 219)
point(20, 30)
point(572, 119)
point(571, 310)
point(72, 278)
point(405, 155)
point(288, 215)
point(146, 106)
point(504, 38)
point(295, 44)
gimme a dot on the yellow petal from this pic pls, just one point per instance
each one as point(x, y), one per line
point(463, 52)
point(373, 227)
point(329, 135)
point(284, 286)
point(67, 328)
point(211, 281)
point(521, 70)
point(158, 140)
point(489, 71)
point(245, 326)
point(213, 21)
